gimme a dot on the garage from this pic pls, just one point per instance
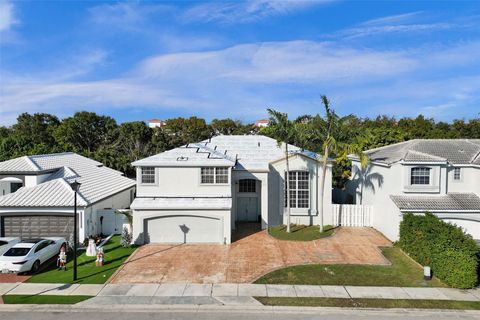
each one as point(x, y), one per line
point(36, 226)
point(471, 227)
point(183, 229)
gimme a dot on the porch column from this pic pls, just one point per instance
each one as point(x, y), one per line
point(264, 200)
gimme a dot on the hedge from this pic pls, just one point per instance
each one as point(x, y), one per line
point(446, 248)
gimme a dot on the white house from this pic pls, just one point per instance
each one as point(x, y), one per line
point(37, 200)
point(196, 193)
point(156, 123)
point(263, 123)
point(438, 176)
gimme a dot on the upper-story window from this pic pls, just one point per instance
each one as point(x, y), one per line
point(420, 175)
point(214, 175)
point(299, 189)
point(457, 174)
point(247, 185)
point(148, 175)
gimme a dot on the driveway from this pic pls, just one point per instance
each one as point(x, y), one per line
point(248, 258)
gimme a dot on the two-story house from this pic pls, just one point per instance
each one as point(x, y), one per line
point(37, 200)
point(437, 176)
point(196, 193)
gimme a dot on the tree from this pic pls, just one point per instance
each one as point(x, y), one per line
point(229, 127)
point(284, 132)
point(182, 131)
point(134, 140)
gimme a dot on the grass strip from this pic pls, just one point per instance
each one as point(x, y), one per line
point(42, 299)
point(300, 232)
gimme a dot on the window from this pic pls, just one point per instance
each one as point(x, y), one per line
point(299, 189)
point(247, 185)
point(214, 175)
point(456, 174)
point(148, 175)
point(420, 176)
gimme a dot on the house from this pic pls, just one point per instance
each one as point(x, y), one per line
point(156, 123)
point(263, 123)
point(198, 193)
point(37, 200)
point(438, 176)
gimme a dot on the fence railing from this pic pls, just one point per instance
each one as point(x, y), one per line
point(352, 215)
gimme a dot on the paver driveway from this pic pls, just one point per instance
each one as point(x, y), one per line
point(248, 258)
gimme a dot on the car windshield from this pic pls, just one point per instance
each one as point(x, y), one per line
point(17, 252)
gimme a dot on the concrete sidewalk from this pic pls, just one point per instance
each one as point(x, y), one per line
point(237, 290)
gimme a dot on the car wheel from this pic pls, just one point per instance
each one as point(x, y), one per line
point(35, 267)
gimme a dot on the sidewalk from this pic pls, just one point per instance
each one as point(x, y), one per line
point(227, 293)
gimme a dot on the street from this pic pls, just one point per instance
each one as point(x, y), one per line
point(217, 314)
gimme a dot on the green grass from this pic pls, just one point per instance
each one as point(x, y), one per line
point(41, 299)
point(402, 273)
point(115, 255)
point(370, 303)
point(300, 232)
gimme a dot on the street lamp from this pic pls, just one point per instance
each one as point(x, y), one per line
point(75, 185)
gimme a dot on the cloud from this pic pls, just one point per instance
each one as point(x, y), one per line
point(245, 11)
point(7, 15)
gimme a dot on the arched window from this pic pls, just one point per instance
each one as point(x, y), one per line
point(420, 176)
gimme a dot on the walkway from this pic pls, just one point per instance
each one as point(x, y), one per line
point(248, 258)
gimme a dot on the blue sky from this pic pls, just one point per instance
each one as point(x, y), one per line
point(139, 60)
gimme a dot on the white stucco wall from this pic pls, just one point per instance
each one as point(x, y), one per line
point(469, 180)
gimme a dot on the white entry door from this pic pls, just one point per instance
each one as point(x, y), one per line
point(247, 209)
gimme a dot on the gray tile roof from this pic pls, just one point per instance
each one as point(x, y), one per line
point(97, 182)
point(451, 201)
point(239, 151)
point(454, 151)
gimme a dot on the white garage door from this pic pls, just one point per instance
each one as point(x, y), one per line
point(183, 229)
point(471, 227)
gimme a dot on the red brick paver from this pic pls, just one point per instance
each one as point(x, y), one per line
point(248, 258)
point(12, 278)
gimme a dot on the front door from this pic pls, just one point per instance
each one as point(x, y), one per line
point(247, 209)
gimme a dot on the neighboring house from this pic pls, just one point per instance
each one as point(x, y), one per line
point(37, 199)
point(196, 193)
point(438, 176)
point(156, 123)
point(262, 123)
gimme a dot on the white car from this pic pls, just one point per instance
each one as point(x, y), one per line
point(28, 255)
point(6, 243)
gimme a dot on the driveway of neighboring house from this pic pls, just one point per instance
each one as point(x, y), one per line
point(248, 258)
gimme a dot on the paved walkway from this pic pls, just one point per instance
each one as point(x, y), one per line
point(212, 293)
point(248, 258)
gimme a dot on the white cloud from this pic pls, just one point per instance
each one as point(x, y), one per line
point(245, 11)
point(7, 15)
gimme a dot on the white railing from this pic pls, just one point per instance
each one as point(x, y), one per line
point(352, 215)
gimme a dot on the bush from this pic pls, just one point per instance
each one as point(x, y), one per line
point(447, 249)
point(126, 238)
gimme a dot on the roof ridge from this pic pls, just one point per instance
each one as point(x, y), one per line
point(390, 145)
point(32, 163)
point(427, 154)
point(67, 185)
point(52, 154)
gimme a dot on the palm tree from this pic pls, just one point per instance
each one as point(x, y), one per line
point(283, 130)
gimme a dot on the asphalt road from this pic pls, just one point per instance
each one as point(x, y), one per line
point(327, 314)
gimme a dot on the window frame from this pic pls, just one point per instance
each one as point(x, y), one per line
point(215, 175)
point(416, 178)
point(154, 174)
point(249, 183)
point(296, 191)
point(457, 176)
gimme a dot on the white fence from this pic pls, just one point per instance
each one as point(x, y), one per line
point(352, 215)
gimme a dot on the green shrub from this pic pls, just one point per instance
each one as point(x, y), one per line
point(447, 249)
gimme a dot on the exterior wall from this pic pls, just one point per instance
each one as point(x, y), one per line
point(139, 216)
point(437, 179)
point(27, 180)
point(469, 180)
point(180, 182)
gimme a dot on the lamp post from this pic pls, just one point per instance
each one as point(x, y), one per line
point(75, 185)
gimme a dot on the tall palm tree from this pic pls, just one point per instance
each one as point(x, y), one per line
point(284, 131)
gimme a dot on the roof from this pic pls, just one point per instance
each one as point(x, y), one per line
point(451, 201)
point(182, 203)
point(97, 182)
point(242, 152)
point(453, 151)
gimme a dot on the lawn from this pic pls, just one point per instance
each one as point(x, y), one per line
point(402, 273)
point(370, 303)
point(42, 299)
point(300, 232)
point(115, 255)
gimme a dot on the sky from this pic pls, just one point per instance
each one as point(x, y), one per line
point(139, 60)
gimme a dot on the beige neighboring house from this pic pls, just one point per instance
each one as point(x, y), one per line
point(37, 200)
point(441, 176)
point(156, 123)
point(198, 192)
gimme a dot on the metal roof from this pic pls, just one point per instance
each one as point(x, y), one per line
point(182, 203)
point(454, 151)
point(451, 201)
point(249, 152)
point(97, 182)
